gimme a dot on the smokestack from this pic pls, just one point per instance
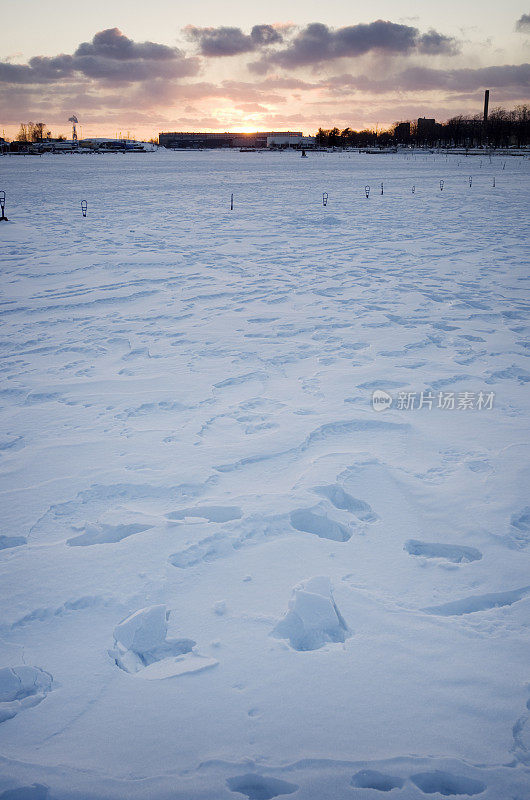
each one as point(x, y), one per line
point(73, 119)
point(486, 104)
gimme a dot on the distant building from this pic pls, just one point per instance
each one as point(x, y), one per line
point(112, 145)
point(426, 128)
point(92, 144)
point(284, 140)
point(53, 145)
point(186, 140)
point(402, 132)
point(179, 140)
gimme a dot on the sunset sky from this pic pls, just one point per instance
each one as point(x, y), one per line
point(144, 66)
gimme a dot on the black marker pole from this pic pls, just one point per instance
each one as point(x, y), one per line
point(3, 218)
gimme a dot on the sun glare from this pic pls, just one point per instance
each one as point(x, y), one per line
point(245, 128)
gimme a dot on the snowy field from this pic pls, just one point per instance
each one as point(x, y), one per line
point(224, 574)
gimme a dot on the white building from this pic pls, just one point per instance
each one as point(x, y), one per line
point(290, 140)
point(284, 140)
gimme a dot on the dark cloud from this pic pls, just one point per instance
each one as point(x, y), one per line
point(222, 41)
point(461, 80)
point(113, 44)
point(226, 41)
point(433, 43)
point(113, 76)
point(15, 73)
point(317, 43)
point(523, 24)
point(110, 56)
point(264, 35)
point(421, 79)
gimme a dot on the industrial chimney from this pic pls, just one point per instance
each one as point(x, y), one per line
point(73, 119)
point(486, 104)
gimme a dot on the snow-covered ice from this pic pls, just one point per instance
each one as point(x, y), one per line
point(141, 647)
point(224, 573)
point(142, 631)
point(313, 618)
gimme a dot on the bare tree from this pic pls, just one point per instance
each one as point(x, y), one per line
point(22, 135)
point(37, 133)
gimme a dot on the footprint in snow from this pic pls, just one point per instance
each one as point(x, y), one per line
point(520, 528)
point(21, 688)
point(35, 792)
point(210, 513)
point(307, 521)
point(11, 541)
point(479, 602)
point(257, 787)
point(373, 779)
point(521, 737)
point(101, 533)
point(450, 552)
point(446, 784)
point(345, 502)
point(439, 782)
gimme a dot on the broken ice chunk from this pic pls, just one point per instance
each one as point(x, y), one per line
point(313, 617)
point(144, 630)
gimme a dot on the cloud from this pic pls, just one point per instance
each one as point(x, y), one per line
point(422, 79)
point(226, 41)
point(264, 35)
point(433, 43)
point(222, 41)
point(461, 80)
point(278, 82)
point(15, 73)
point(523, 24)
point(113, 78)
point(113, 44)
point(156, 95)
point(252, 108)
point(110, 56)
point(317, 43)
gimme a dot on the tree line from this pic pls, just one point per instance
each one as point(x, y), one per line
point(35, 132)
point(503, 129)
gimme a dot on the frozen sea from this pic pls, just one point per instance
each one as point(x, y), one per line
point(224, 574)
